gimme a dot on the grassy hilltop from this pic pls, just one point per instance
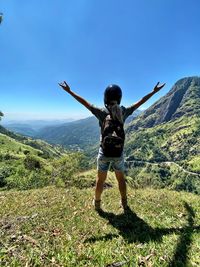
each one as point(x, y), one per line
point(58, 227)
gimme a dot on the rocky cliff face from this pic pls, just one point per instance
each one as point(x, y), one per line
point(182, 99)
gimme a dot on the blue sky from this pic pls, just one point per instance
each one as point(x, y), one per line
point(90, 44)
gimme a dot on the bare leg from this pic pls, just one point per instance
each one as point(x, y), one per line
point(101, 177)
point(121, 183)
point(122, 187)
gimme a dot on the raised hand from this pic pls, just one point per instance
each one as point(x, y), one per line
point(65, 86)
point(158, 87)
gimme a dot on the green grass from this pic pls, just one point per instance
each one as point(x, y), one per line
point(18, 148)
point(32, 163)
point(174, 141)
point(58, 227)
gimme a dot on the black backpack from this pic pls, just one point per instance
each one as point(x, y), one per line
point(113, 137)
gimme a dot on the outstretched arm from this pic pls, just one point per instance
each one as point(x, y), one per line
point(146, 97)
point(66, 87)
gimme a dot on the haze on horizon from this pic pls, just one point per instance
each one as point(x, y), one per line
point(91, 44)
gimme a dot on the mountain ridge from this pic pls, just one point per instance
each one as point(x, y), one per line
point(79, 134)
point(182, 99)
point(166, 133)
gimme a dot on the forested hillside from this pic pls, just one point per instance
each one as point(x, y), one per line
point(76, 135)
point(163, 143)
point(26, 163)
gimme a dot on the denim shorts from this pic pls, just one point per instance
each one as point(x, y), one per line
point(104, 163)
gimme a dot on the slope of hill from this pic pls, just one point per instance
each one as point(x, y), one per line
point(168, 134)
point(81, 134)
point(181, 100)
point(27, 163)
point(58, 227)
point(77, 134)
point(43, 148)
point(177, 140)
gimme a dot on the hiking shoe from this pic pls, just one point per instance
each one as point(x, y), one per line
point(97, 204)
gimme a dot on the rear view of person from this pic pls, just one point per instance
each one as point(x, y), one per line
point(111, 120)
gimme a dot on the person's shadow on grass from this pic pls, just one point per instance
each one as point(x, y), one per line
point(134, 229)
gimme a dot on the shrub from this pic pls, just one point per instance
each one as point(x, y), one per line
point(26, 152)
point(185, 184)
point(37, 179)
point(31, 162)
point(23, 179)
point(4, 173)
point(66, 167)
point(18, 178)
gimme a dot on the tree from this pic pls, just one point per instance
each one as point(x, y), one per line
point(1, 115)
point(1, 17)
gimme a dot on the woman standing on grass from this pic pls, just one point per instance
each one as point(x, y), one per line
point(111, 120)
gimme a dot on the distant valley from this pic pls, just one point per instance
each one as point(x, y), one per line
point(76, 135)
